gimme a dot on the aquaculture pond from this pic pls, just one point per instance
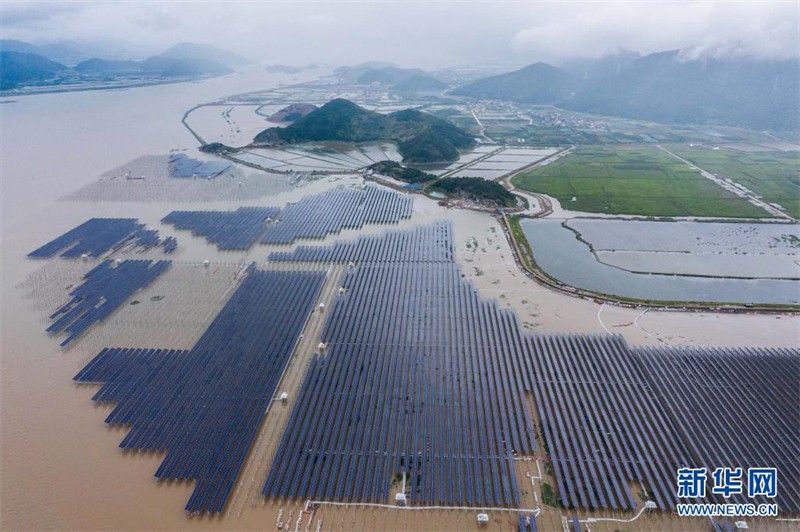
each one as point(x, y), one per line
point(558, 250)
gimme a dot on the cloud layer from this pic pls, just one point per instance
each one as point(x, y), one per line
point(426, 34)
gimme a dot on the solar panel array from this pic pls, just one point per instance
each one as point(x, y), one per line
point(421, 377)
point(613, 416)
point(204, 406)
point(170, 244)
point(426, 243)
point(182, 166)
point(734, 408)
point(603, 427)
point(104, 289)
point(330, 212)
point(99, 235)
point(237, 229)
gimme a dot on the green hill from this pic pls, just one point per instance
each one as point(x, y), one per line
point(539, 83)
point(18, 67)
point(421, 137)
point(475, 188)
point(401, 173)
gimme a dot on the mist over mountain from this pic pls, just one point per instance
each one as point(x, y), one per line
point(155, 65)
point(665, 87)
point(67, 51)
point(376, 72)
point(183, 61)
point(539, 83)
point(592, 69)
point(419, 82)
point(204, 52)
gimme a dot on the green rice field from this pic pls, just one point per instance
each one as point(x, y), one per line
point(640, 180)
point(775, 176)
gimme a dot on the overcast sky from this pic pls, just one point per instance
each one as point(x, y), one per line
point(425, 34)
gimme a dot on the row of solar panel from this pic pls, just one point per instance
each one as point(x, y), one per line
point(426, 243)
point(312, 217)
point(412, 345)
point(105, 288)
point(204, 406)
point(610, 419)
point(613, 416)
point(99, 235)
point(331, 211)
point(423, 377)
point(733, 408)
point(181, 165)
point(237, 229)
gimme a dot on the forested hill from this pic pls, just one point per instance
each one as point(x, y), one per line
point(420, 137)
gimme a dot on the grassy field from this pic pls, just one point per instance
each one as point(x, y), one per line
point(775, 176)
point(640, 180)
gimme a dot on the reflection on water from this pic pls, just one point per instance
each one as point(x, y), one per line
point(558, 251)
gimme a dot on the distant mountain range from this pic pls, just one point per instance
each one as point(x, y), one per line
point(403, 80)
point(67, 51)
point(419, 82)
point(155, 65)
point(203, 52)
point(539, 83)
point(421, 137)
point(19, 66)
point(389, 75)
point(662, 87)
point(665, 88)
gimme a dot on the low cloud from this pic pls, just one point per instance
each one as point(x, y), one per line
point(755, 29)
point(32, 15)
point(427, 35)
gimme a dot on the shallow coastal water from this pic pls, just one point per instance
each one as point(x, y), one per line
point(61, 466)
point(558, 251)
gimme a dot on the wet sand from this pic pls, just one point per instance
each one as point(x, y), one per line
point(61, 465)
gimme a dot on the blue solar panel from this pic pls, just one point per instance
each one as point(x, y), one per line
point(427, 243)
point(406, 385)
point(237, 229)
point(422, 376)
point(330, 212)
point(204, 406)
point(99, 235)
point(104, 289)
